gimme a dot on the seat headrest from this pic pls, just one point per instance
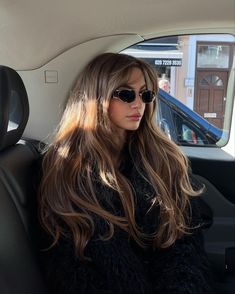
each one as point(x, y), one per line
point(14, 107)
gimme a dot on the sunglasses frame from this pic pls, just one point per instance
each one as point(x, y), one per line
point(116, 95)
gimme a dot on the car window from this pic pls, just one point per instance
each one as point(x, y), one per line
point(187, 133)
point(197, 85)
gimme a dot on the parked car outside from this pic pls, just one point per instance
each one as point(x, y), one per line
point(183, 125)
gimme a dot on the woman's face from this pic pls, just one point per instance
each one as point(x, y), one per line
point(127, 116)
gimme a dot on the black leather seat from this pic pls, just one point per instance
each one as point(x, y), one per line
point(19, 272)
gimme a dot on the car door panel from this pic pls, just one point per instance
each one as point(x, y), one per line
point(219, 195)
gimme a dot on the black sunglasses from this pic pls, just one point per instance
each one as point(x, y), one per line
point(129, 96)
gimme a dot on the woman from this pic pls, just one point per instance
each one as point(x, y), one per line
point(115, 197)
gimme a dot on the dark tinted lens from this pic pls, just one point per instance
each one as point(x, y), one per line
point(126, 95)
point(147, 96)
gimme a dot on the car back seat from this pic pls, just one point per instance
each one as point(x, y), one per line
point(19, 272)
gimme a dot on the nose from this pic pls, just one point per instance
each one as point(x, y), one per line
point(137, 103)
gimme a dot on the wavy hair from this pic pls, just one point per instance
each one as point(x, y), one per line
point(68, 202)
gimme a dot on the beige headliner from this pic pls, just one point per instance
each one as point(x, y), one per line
point(34, 32)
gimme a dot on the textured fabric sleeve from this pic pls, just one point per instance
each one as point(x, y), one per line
point(183, 268)
point(64, 274)
point(114, 268)
point(122, 270)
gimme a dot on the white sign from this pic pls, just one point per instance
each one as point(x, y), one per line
point(210, 115)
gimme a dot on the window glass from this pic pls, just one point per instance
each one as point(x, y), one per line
point(194, 73)
point(216, 56)
point(211, 79)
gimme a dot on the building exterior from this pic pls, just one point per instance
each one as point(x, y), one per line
point(197, 68)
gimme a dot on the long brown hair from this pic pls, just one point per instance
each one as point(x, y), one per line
point(68, 201)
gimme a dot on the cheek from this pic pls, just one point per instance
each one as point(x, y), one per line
point(143, 107)
point(115, 109)
point(111, 108)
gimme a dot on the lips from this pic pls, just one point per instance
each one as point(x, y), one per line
point(135, 117)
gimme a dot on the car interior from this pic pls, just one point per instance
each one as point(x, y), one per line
point(44, 46)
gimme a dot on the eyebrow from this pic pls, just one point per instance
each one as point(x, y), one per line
point(128, 86)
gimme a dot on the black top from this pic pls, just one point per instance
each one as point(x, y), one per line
point(120, 265)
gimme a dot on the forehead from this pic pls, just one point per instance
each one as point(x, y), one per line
point(136, 76)
point(129, 76)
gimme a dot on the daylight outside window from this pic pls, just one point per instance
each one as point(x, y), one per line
point(196, 77)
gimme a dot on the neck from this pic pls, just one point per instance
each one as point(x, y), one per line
point(121, 139)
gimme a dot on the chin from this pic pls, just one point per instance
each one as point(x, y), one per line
point(134, 128)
